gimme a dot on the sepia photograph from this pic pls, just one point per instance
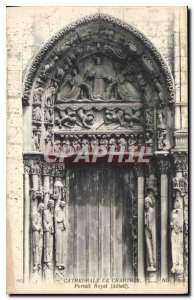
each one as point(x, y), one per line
point(97, 150)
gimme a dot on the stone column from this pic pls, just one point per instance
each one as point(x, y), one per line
point(140, 221)
point(164, 166)
point(26, 224)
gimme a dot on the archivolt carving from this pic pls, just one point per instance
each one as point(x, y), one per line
point(62, 42)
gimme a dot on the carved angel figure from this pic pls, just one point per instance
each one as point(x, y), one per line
point(37, 237)
point(150, 231)
point(60, 234)
point(177, 238)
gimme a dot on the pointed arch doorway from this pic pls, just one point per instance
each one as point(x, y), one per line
point(97, 82)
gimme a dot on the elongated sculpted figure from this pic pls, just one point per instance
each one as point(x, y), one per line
point(150, 232)
point(60, 235)
point(177, 238)
point(37, 237)
point(48, 228)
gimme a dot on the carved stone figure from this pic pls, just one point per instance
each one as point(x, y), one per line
point(112, 144)
point(150, 231)
point(49, 96)
point(86, 117)
point(149, 95)
point(48, 228)
point(123, 89)
point(104, 141)
point(37, 95)
point(50, 64)
point(68, 118)
point(122, 144)
point(85, 143)
point(123, 117)
point(148, 138)
point(160, 91)
point(75, 87)
point(60, 235)
point(162, 139)
point(48, 115)
point(36, 141)
point(37, 237)
point(132, 139)
point(48, 137)
point(177, 238)
point(160, 120)
point(37, 114)
point(76, 143)
point(99, 79)
point(94, 142)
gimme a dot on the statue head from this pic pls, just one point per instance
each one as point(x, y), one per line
point(149, 202)
point(62, 204)
point(112, 141)
point(51, 203)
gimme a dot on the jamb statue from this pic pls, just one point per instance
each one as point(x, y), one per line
point(37, 237)
point(177, 238)
point(48, 228)
point(60, 235)
point(150, 231)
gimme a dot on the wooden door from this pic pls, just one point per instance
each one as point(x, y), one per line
point(101, 216)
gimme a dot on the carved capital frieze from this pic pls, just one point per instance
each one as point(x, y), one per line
point(181, 184)
point(181, 162)
point(163, 164)
point(139, 169)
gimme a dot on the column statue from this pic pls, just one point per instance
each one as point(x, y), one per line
point(60, 235)
point(37, 237)
point(150, 231)
point(48, 228)
point(177, 238)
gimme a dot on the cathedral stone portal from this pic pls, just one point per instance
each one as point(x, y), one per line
point(101, 82)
